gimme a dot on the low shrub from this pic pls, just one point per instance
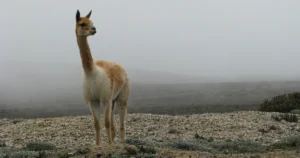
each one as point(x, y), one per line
point(282, 103)
point(288, 142)
point(130, 150)
point(204, 145)
point(141, 151)
point(287, 117)
point(136, 141)
point(19, 152)
point(39, 146)
point(237, 146)
point(296, 111)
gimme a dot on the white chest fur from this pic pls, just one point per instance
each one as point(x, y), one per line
point(96, 85)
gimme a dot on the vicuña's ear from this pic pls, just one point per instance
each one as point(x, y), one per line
point(77, 16)
point(89, 14)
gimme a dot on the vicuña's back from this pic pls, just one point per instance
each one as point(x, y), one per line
point(103, 82)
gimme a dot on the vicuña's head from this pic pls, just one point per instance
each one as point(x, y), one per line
point(84, 26)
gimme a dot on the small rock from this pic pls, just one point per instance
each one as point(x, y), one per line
point(151, 128)
point(99, 155)
point(2, 144)
point(272, 127)
point(173, 131)
point(262, 130)
point(71, 153)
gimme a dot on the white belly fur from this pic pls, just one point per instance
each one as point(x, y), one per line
point(96, 86)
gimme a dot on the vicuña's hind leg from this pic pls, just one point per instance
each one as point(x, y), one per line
point(107, 120)
point(122, 101)
point(113, 124)
point(123, 113)
point(96, 112)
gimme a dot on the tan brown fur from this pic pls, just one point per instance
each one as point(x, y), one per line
point(85, 54)
point(104, 82)
point(113, 70)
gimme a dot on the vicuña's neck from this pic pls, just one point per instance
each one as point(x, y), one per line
point(85, 53)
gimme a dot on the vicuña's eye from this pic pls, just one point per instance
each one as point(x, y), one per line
point(82, 25)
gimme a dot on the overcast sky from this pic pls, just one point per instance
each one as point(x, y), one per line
point(217, 38)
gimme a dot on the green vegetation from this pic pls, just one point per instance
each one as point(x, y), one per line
point(296, 111)
point(209, 145)
point(83, 151)
point(140, 151)
point(39, 146)
point(148, 149)
point(136, 141)
point(282, 103)
point(288, 104)
point(130, 150)
point(63, 155)
point(286, 116)
point(238, 146)
point(138, 148)
point(24, 152)
point(80, 152)
point(289, 142)
point(39, 150)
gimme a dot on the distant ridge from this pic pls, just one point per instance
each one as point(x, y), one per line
point(37, 82)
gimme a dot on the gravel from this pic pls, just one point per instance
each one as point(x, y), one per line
point(72, 132)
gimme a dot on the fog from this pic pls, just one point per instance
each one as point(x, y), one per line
point(170, 41)
point(229, 39)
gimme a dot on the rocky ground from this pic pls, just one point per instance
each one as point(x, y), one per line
point(72, 133)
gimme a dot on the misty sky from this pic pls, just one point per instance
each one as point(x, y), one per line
point(216, 38)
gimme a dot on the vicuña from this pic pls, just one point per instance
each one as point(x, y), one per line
point(104, 82)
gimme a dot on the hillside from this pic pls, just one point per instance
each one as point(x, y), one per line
point(176, 99)
point(30, 82)
point(29, 91)
point(236, 134)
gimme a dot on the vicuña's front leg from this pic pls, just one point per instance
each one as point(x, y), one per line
point(107, 120)
point(96, 111)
